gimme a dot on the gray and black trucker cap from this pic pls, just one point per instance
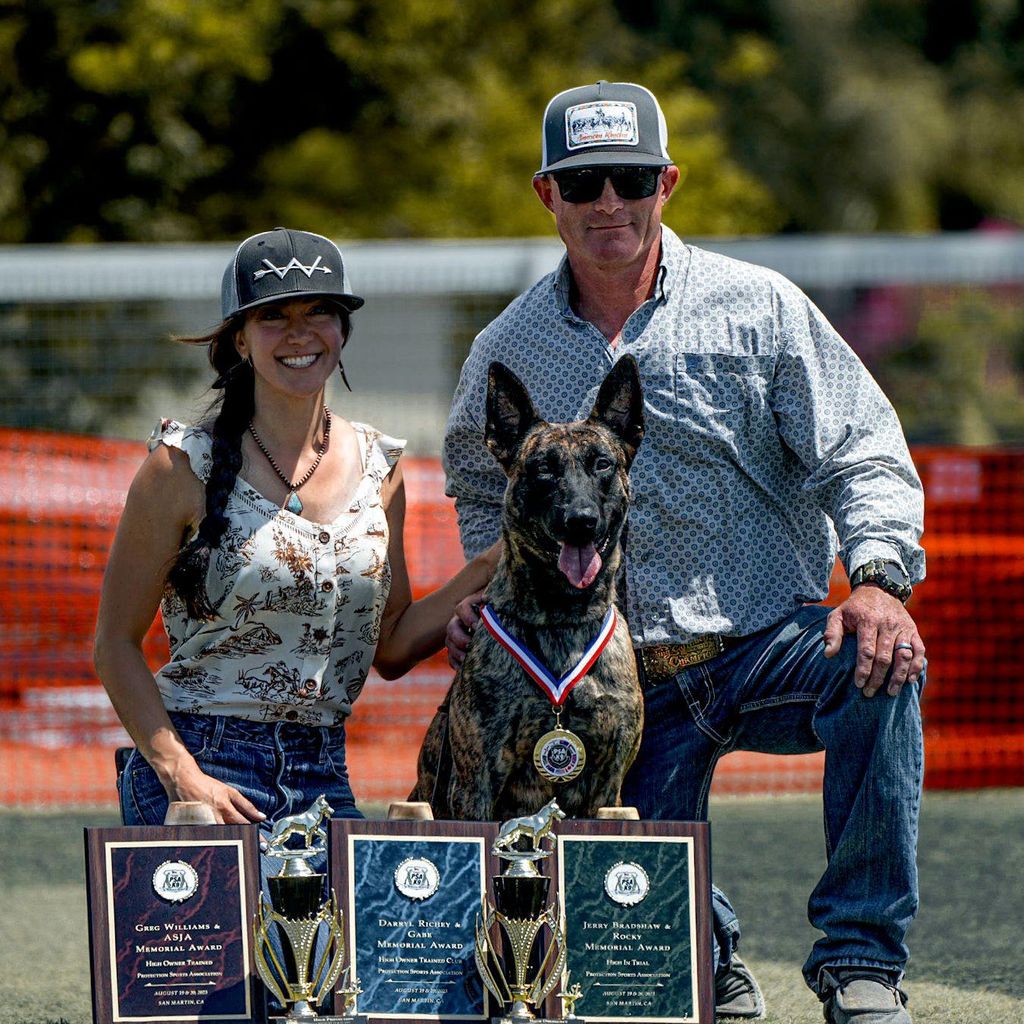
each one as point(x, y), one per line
point(284, 264)
point(607, 124)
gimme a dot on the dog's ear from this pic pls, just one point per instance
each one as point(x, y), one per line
point(510, 413)
point(620, 405)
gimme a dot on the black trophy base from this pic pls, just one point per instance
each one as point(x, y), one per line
point(542, 1020)
point(352, 1018)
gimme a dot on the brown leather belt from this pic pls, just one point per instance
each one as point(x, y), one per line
point(662, 661)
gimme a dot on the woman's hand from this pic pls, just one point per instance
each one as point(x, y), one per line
point(229, 806)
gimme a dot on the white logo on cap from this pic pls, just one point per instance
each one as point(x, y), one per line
point(294, 264)
point(601, 123)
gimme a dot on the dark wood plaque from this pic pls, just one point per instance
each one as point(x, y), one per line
point(170, 923)
point(411, 891)
point(637, 903)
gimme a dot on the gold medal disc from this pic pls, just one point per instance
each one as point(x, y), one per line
point(559, 755)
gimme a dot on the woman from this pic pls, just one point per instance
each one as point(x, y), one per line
point(271, 539)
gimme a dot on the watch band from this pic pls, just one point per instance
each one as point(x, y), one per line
point(887, 575)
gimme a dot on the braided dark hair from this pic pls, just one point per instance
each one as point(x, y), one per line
point(234, 411)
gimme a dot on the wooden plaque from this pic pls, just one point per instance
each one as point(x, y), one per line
point(170, 923)
point(637, 903)
point(411, 891)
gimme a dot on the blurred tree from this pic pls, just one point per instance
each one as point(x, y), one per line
point(179, 119)
point(862, 115)
point(959, 380)
point(116, 114)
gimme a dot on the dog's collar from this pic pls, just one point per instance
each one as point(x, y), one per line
point(557, 690)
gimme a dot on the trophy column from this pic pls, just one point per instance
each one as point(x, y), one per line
point(528, 968)
point(301, 976)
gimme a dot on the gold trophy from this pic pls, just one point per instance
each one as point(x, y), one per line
point(525, 973)
point(299, 977)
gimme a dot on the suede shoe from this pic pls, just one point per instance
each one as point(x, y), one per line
point(864, 998)
point(737, 993)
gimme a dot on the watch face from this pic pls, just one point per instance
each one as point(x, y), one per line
point(896, 574)
point(890, 576)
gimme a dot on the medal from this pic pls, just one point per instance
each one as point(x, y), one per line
point(559, 755)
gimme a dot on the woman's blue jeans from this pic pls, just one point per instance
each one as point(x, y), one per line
point(281, 767)
point(775, 692)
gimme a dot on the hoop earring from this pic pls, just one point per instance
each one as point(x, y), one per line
point(341, 367)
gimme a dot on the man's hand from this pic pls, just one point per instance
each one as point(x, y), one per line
point(886, 636)
point(461, 626)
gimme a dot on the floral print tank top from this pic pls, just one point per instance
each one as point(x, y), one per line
point(298, 603)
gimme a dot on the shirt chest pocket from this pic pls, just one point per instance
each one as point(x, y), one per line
point(723, 397)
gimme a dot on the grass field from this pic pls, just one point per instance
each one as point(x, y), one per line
point(967, 942)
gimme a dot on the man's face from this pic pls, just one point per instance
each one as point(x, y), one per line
point(609, 232)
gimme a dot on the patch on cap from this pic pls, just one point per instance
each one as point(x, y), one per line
point(293, 264)
point(601, 123)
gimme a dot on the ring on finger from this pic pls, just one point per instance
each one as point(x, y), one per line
point(904, 647)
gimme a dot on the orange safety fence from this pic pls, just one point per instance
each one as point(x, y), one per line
point(61, 496)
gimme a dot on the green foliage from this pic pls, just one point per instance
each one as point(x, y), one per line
point(863, 115)
point(175, 119)
point(959, 381)
point(194, 119)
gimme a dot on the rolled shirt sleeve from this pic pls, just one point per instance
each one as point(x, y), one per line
point(474, 478)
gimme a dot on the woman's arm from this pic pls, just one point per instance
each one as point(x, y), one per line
point(413, 630)
point(165, 500)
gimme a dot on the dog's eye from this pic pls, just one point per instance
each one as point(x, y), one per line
point(602, 464)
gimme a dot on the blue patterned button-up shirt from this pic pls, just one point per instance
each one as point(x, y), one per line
point(769, 447)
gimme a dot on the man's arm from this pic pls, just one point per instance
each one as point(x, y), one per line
point(476, 482)
point(837, 421)
point(473, 477)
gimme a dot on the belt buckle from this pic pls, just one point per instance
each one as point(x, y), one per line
point(662, 661)
point(704, 648)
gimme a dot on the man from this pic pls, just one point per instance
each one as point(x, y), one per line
point(768, 449)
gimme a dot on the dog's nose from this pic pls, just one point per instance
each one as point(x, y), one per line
point(581, 524)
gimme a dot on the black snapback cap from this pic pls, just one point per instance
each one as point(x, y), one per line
point(608, 124)
point(284, 264)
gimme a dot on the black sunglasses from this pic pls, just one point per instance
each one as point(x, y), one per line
point(585, 184)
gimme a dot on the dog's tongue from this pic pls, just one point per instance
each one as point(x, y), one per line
point(580, 565)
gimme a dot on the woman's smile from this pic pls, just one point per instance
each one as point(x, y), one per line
point(299, 362)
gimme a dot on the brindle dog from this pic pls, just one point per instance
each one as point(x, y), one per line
point(565, 507)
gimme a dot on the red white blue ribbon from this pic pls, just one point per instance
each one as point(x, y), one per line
point(557, 690)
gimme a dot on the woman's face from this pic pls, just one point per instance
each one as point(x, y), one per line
point(294, 345)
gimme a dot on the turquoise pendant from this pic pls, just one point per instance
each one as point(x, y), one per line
point(293, 504)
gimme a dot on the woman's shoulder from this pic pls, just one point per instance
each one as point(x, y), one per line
point(380, 450)
point(195, 441)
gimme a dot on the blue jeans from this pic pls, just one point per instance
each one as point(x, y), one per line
point(281, 767)
point(775, 692)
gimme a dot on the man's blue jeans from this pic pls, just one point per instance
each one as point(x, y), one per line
point(775, 692)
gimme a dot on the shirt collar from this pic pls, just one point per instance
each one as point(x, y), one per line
point(675, 255)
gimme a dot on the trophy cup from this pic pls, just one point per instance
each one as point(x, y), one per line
point(527, 971)
point(300, 976)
